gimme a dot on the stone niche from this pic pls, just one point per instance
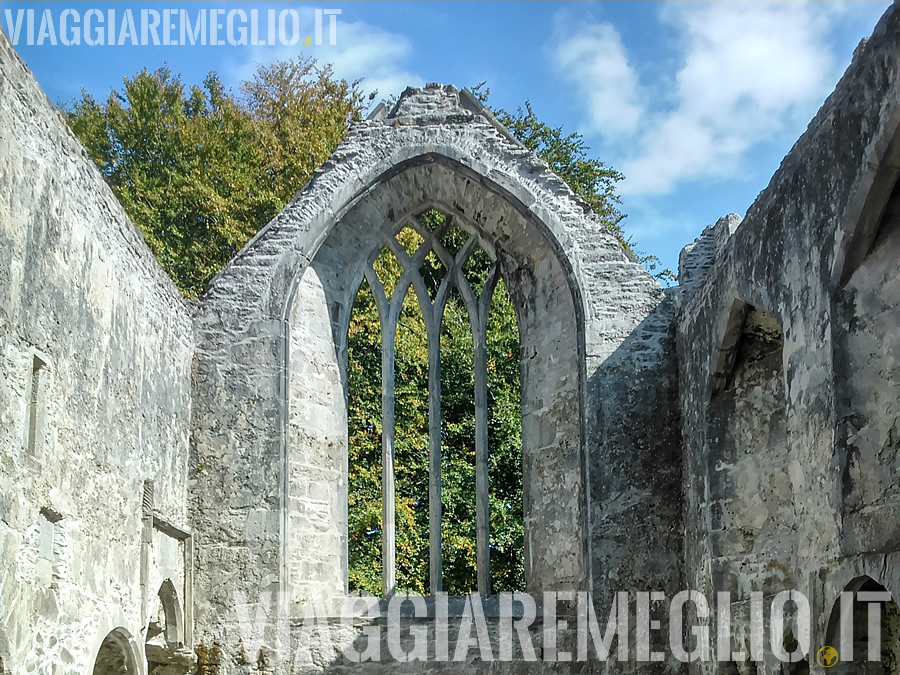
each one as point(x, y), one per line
point(749, 489)
point(867, 389)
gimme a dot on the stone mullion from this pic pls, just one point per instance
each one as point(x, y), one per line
point(435, 542)
point(482, 504)
point(478, 310)
point(482, 495)
point(388, 520)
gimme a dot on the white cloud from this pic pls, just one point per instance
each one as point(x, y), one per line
point(376, 55)
point(745, 71)
point(362, 51)
point(596, 53)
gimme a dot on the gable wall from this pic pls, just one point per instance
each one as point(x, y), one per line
point(624, 334)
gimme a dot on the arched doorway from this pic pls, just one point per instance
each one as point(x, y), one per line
point(856, 630)
point(115, 656)
point(164, 644)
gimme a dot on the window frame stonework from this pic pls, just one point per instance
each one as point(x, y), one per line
point(477, 309)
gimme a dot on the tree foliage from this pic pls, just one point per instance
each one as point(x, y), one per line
point(566, 154)
point(301, 113)
point(199, 170)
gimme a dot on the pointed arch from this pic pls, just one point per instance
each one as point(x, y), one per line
point(849, 629)
point(168, 624)
point(116, 655)
point(865, 307)
point(749, 496)
point(275, 324)
point(872, 194)
point(548, 321)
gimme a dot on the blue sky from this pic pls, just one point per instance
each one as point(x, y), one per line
point(696, 103)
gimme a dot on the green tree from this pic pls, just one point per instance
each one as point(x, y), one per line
point(566, 154)
point(199, 171)
point(589, 178)
point(301, 113)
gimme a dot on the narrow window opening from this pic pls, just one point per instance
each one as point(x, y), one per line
point(388, 270)
point(475, 270)
point(49, 545)
point(507, 527)
point(432, 219)
point(411, 447)
point(432, 272)
point(459, 517)
point(164, 634)
point(364, 432)
point(38, 366)
point(453, 240)
point(883, 658)
point(410, 239)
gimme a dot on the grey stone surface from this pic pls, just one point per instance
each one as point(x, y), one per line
point(788, 448)
point(95, 398)
point(697, 257)
point(738, 432)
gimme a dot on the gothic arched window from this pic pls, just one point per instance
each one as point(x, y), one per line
point(435, 482)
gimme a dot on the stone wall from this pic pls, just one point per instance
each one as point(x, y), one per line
point(867, 393)
point(737, 433)
point(590, 320)
point(95, 346)
point(788, 380)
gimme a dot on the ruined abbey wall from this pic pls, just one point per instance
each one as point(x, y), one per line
point(95, 346)
point(736, 433)
point(595, 330)
point(789, 381)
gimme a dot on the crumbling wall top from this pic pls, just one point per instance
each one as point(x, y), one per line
point(436, 104)
point(699, 256)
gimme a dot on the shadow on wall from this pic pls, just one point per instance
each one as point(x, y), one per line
point(881, 656)
point(867, 398)
point(116, 655)
point(750, 511)
point(635, 455)
point(636, 468)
